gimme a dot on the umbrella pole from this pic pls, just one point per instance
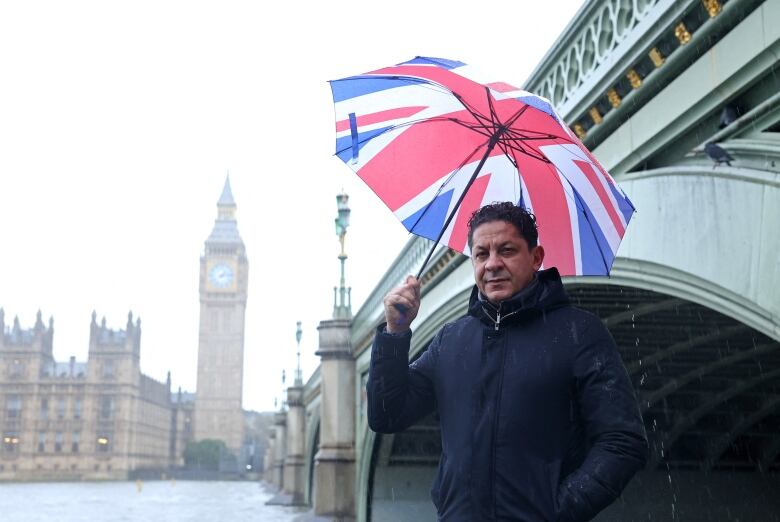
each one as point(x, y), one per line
point(492, 143)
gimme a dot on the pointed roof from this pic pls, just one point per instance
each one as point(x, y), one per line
point(225, 229)
point(226, 199)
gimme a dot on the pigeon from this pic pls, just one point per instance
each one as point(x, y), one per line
point(717, 154)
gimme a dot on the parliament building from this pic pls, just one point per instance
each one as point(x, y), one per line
point(105, 419)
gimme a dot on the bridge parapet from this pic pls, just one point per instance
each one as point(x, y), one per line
point(594, 42)
point(615, 56)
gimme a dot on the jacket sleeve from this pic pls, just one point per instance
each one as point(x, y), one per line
point(613, 426)
point(399, 393)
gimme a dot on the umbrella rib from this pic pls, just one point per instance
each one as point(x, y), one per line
point(510, 157)
point(474, 113)
point(480, 129)
point(493, 114)
point(530, 152)
point(511, 121)
point(444, 183)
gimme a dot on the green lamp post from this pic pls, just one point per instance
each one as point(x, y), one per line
point(342, 300)
point(298, 375)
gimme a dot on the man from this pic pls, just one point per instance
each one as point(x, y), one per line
point(539, 421)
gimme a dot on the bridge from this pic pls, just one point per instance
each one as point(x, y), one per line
point(693, 300)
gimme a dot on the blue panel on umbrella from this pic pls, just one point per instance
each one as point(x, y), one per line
point(360, 85)
point(428, 221)
point(441, 62)
point(538, 103)
point(624, 204)
point(594, 249)
point(344, 144)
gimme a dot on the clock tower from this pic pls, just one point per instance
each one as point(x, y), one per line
point(224, 272)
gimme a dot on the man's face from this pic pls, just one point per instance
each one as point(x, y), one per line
point(503, 263)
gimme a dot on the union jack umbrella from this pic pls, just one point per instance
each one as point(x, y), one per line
point(436, 142)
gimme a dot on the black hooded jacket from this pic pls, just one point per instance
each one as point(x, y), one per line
point(539, 420)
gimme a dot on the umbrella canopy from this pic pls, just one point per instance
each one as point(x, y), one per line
point(435, 143)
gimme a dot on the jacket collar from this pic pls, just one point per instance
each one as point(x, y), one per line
point(543, 293)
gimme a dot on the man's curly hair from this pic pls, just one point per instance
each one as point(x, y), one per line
point(524, 221)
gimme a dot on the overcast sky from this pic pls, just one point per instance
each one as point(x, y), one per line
point(120, 120)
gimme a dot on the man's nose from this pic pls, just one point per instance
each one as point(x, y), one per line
point(493, 262)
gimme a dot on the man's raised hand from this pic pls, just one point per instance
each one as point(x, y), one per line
point(401, 305)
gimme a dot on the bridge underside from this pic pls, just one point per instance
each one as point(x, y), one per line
point(709, 391)
point(708, 386)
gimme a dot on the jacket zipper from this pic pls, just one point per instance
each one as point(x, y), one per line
point(497, 320)
point(505, 348)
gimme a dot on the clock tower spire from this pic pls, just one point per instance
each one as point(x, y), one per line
point(224, 272)
point(226, 205)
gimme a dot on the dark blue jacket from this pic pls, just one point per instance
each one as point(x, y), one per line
point(539, 420)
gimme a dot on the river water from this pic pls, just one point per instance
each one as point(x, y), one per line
point(157, 501)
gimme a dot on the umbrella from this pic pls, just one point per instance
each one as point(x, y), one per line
point(435, 143)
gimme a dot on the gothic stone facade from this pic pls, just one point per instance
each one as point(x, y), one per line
point(99, 419)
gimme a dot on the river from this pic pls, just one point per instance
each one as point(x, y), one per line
point(157, 501)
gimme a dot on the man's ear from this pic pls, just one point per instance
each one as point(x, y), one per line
point(538, 256)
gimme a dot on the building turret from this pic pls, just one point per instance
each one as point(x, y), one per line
point(35, 339)
point(114, 353)
point(38, 321)
point(42, 337)
point(31, 347)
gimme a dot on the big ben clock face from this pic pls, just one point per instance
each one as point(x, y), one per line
point(221, 276)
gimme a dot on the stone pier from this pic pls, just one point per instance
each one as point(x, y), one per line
point(335, 461)
point(268, 459)
point(280, 448)
point(294, 460)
